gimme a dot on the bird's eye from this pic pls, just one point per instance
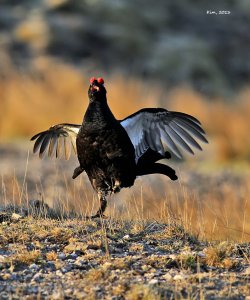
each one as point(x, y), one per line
point(92, 79)
point(100, 80)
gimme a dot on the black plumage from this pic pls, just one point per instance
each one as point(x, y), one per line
point(114, 152)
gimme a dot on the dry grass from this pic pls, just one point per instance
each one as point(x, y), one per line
point(142, 292)
point(209, 208)
point(25, 257)
point(51, 256)
point(217, 256)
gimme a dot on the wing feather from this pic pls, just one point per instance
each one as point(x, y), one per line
point(52, 145)
point(167, 140)
point(59, 149)
point(44, 145)
point(59, 140)
point(175, 137)
point(186, 116)
point(189, 122)
point(162, 130)
point(192, 130)
point(38, 143)
point(185, 135)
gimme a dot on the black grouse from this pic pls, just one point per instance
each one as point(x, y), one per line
point(112, 152)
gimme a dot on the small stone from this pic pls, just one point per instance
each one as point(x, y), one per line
point(72, 256)
point(91, 251)
point(67, 268)
point(28, 278)
point(167, 276)
point(33, 267)
point(61, 256)
point(79, 253)
point(107, 265)
point(13, 276)
point(71, 261)
point(57, 296)
point(172, 256)
point(79, 294)
point(201, 254)
point(179, 277)
point(153, 281)
point(68, 291)
point(80, 262)
point(6, 276)
point(2, 259)
point(15, 216)
point(33, 289)
point(247, 271)
point(59, 273)
point(37, 277)
point(126, 237)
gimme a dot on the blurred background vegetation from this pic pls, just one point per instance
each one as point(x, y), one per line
point(170, 54)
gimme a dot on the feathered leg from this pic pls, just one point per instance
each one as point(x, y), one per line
point(103, 205)
point(156, 168)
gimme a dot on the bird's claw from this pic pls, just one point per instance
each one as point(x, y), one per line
point(101, 216)
point(98, 215)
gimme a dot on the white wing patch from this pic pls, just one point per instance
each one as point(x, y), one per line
point(162, 131)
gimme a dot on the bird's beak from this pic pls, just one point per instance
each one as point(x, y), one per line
point(94, 88)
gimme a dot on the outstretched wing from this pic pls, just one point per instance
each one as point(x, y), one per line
point(162, 130)
point(57, 141)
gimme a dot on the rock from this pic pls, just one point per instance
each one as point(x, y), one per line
point(59, 273)
point(2, 259)
point(72, 256)
point(201, 254)
point(37, 277)
point(67, 268)
point(247, 271)
point(51, 265)
point(13, 276)
point(167, 276)
point(57, 295)
point(34, 267)
point(179, 277)
point(16, 217)
point(61, 256)
point(153, 281)
point(79, 294)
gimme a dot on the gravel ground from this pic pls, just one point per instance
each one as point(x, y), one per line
point(74, 259)
point(49, 255)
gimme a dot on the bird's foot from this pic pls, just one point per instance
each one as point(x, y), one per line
point(101, 216)
point(97, 215)
point(117, 187)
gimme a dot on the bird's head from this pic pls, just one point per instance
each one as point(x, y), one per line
point(97, 91)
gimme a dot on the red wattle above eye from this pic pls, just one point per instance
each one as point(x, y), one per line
point(100, 80)
point(92, 79)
